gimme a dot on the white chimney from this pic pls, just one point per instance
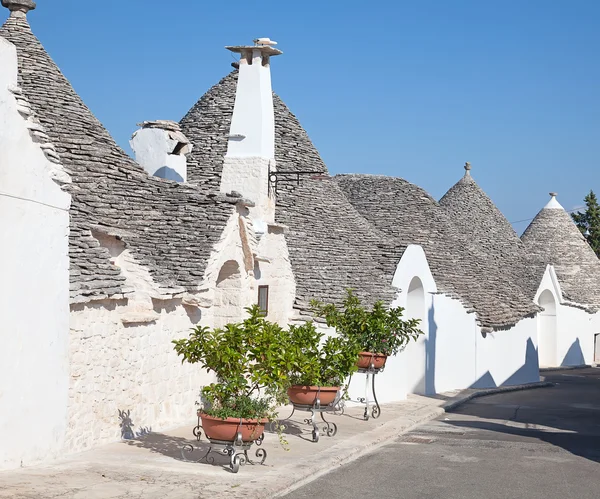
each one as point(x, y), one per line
point(251, 147)
point(160, 147)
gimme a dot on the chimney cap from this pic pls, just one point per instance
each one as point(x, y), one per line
point(264, 45)
point(163, 124)
point(17, 7)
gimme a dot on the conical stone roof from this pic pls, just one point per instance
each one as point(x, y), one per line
point(552, 238)
point(489, 233)
point(332, 247)
point(170, 228)
point(461, 269)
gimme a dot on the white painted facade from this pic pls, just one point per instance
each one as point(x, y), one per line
point(452, 353)
point(34, 286)
point(125, 377)
point(566, 332)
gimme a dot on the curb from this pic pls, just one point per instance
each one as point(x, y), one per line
point(384, 434)
point(450, 406)
point(565, 368)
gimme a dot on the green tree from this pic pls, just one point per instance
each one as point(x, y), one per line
point(589, 221)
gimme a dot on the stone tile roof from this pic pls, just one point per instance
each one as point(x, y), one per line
point(207, 125)
point(491, 236)
point(171, 228)
point(553, 238)
point(331, 246)
point(410, 215)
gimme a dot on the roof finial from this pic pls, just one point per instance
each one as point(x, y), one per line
point(467, 169)
point(553, 204)
point(19, 8)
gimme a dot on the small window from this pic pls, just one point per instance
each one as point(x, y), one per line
point(263, 299)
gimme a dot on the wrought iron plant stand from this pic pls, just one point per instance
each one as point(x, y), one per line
point(370, 372)
point(330, 428)
point(237, 449)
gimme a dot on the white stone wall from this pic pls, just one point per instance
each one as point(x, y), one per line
point(275, 270)
point(249, 176)
point(130, 368)
point(125, 377)
point(508, 357)
point(574, 329)
point(452, 353)
point(34, 289)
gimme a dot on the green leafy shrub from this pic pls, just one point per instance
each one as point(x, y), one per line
point(314, 362)
point(250, 364)
point(380, 330)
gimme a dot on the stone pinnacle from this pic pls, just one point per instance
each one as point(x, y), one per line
point(19, 8)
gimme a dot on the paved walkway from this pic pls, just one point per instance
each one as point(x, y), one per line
point(540, 444)
point(152, 467)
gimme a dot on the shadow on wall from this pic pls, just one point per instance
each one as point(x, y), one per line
point(126, 425)
point(528, 372)
point(430, 351)
point(574, 356)
point(426, 382)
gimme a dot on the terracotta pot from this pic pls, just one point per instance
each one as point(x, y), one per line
point(226, 429)
point(306, 395)
point(365, 359)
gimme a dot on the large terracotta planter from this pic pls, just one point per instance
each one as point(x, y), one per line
point(226, 429)
point(307, 395)
point(366, 358)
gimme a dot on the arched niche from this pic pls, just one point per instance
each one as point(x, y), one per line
point(416, 351)
point(227, 304)
point(547, 330)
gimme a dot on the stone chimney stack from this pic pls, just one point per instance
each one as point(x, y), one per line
point(251, 147)
point(161, 148)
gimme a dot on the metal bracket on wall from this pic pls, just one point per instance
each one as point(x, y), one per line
point(287, 176)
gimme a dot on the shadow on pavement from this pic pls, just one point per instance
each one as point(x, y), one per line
point(566, 415)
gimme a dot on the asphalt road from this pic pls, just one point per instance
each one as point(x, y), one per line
point(542, 443)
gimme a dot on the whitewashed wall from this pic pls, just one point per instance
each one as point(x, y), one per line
point(507, 357)
point(452, 353)
point(573, 341)
point(128, 367)
point(126, 378)
point(34, 289)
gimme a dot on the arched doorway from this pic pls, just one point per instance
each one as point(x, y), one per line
point(416, 351)
point(227, 304)
point(547, 330)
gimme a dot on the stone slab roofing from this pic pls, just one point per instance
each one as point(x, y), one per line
point(411, 216)
point(491, 235)
point(332, 247)
point(552, 238)
point(207, 124)
point(170, 228)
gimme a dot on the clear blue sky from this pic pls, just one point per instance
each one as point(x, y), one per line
point(404, 88)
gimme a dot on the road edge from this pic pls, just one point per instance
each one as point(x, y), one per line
point(387, 432)
point(450, 406)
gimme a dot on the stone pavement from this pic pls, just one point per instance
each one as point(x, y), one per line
point(151, 466)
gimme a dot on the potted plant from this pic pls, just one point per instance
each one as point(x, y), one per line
point(251, 378)
point(380, 332)
point(318, 368)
